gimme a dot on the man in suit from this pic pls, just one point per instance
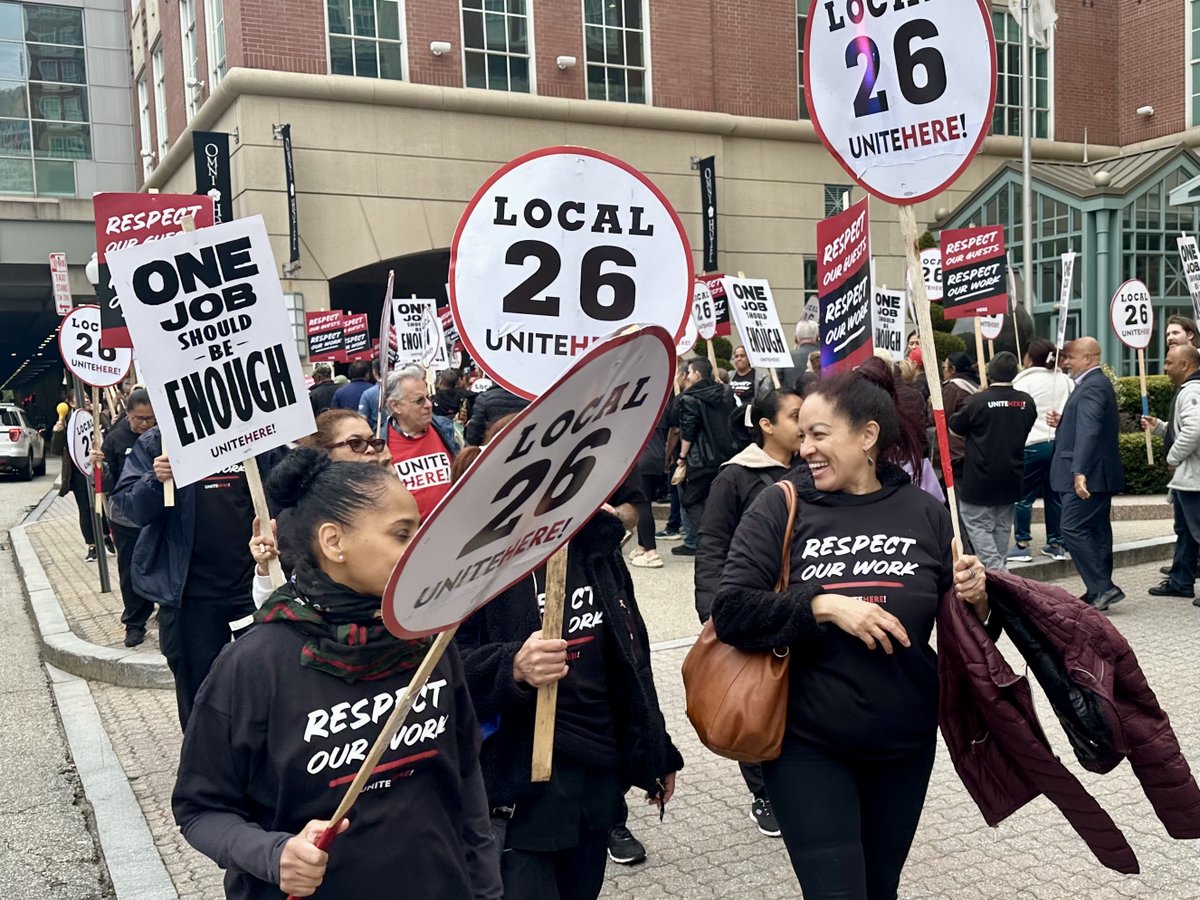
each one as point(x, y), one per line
point(1086, 470)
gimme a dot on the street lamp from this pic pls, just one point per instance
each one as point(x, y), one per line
point(92, 271)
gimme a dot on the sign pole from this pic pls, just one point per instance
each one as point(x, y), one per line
point(982, 363)
point(98, 500)
point(189, 224)
point(1012, 301)
point(991, 349)
point(259, 498)
point(1145, 402)
point(385, 327)
point(432, 657)
point(547, 699)
point(908, 232)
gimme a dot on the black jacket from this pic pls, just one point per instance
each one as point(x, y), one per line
point(494, 403)
point(321, 396)
point(702, 413)
point(733, 490)
point(490, 639)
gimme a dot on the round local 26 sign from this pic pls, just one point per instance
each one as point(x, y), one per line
point(900, 91)
point(559, 249)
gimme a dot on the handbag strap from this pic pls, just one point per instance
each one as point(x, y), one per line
point(785, 553)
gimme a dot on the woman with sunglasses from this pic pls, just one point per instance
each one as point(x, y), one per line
point(344, 436)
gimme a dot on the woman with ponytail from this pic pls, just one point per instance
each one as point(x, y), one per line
point(870, 560)
point(775, 436)
point(289, 711)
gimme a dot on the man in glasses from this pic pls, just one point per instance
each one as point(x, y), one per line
point(138, 419)
point(421, 444)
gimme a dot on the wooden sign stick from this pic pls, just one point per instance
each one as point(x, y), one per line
point(908, 232)
point(547, 699)
point(259, 498)
point(432, 656)
point(1145, 403)
point(991, 349)
point(982, 363)
point(97, 475)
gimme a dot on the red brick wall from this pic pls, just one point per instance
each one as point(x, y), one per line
point(682, 64)
point(434, 20)
point(754, 56)
point(283, 37)
point(1085, 92)
point(558, 31)
point(168, 21)
point(1152, 68)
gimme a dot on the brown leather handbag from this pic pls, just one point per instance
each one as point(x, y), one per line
point(737, 700)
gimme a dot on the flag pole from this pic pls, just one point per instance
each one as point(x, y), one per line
point(1026, 164)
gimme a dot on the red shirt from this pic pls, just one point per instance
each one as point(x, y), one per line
point(423, 464)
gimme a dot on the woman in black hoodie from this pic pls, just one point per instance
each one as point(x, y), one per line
point(775, 434)
point(609, 730)
point(870, 560)
point(289, 711)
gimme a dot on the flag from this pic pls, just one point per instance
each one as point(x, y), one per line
point(1041, 19)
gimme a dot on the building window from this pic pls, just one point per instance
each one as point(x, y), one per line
point(365, 38)
point(158, 70)
point(143, 96)
point(192, 83)
point(214, 24)
point(1193, 77)
point(614, 40)
point(833, 198)
point(43, 99)
point(496, 44)
point(1006, 118)
point(801, 25)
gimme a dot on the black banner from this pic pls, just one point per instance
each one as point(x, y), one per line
point(708, 210)
point(289, 171)
point(210, 153)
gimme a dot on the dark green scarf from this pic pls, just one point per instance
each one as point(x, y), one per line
point(344, 634)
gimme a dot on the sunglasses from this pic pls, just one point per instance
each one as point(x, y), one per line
point(361, 445)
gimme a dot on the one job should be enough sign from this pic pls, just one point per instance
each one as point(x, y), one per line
point(215, 345)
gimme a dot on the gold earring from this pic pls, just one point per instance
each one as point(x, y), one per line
point(870, 461)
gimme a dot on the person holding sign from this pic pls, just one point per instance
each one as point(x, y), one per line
point(190, 558)
point(870, 562)
point(1086, 470)
point(422, 445)
point(705, 440)
point(79, 485)
point(609, 728)
point(285, 718)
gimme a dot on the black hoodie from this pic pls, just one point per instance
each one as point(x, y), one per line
point(272, 744)
point(702, 413)
point(891, 547)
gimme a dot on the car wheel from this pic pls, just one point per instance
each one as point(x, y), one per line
point(27, 472)
point(40, 469)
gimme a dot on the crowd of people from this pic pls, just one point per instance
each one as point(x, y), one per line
point(274, 682)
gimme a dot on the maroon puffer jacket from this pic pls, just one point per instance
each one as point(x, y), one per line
point(998, 748)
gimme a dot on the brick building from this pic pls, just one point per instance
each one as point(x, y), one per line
point(400, 109)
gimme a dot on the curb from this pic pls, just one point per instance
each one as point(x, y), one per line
point(1131, 553)
point(64, 649)
point(134, 864)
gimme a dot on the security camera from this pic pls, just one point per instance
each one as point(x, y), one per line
point(437, 48)
point(1145, 111)
point(566, 62)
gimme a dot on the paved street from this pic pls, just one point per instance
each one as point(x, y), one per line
point(49, 850)
point(707, 848)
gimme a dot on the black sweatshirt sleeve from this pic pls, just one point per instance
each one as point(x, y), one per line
point(716, 533)
point(210, 794)
point(748, 612)
point(489, 664)
point(479, 840)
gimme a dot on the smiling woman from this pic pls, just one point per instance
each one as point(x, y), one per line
point(870, 561)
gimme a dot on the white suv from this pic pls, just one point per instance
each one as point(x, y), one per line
point(24, 450)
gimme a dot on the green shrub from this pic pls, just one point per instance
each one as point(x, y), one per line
point(724, 364)
point(926, 241)
point(722, 346)
point(937, 318)
point(945, 344)
point(1158, 390)
point(1141, 478)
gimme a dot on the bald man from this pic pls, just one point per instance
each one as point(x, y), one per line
point(1086, 470)
point(1181, 440)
